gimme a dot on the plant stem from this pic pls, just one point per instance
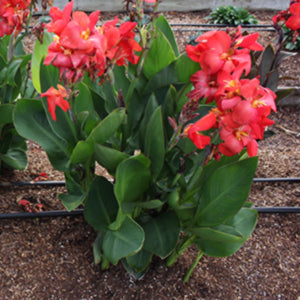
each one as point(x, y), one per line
point(180, 248)
point(194, 264)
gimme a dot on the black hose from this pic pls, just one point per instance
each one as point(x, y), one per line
point(62, 183)
point(79, 212)
point(42, 214)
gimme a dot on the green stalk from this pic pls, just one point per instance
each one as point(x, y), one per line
point(180, 248)
point(193, 266)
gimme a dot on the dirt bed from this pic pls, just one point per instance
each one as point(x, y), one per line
point(53, 259)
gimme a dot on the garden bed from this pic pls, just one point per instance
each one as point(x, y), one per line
point(53, 259)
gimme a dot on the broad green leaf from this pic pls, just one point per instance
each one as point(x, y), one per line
point(15, 158)
point(128, 207)
point(221, 233)
point(243, 222)
point(40, 51)
point(82, 152)
point(49, 76)
point(64, 127)
point(139, 262)
point(31, 122)
point(185, 67)
point(6, 114)
point(101, 206)
point(132, 178)
point(109, 158)
point(70, 201)
point(162, 23)
point(159, 56)
point(184, 212)
point(84, 100)
point(127, 240)
point(121, 81)
point(161, 234)
point(225, 192)
point(179, 71)
point(155, 142)
point(107, 127)
point(12, 70)
point(135, 104)
point(151, 106)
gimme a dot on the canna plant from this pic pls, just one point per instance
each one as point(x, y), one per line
point(14, 79)
point(176, 133)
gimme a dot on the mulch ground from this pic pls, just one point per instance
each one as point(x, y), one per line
point(52, 258)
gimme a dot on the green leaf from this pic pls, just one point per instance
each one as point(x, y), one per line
point(138, 263)
point(159, 56)
point(12, 70)
point(70, 201)
point(132, 178)
point(221, 233)
point(161, 234)
point(243, 222)
point(82, 152)
point(6, 114)
point(84, 100)
point(179, 71)
point(63, 127)
point(128, 207)
point(15, 158)
point(155, 143)
point(225, 192)
point(31, 122)
point(109, 158)
point(49, 76)
point(101, 206)
point(127, 240)
point(107, 127)
point(40, 51)
point(162, 23)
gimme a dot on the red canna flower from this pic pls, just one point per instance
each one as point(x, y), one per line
point(205, 86)
point(80, 46)
point(194, 130)
point(13, 14)
point(56, 98)
point(293, 22)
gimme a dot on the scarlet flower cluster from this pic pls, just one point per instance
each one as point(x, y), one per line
point(242, 104)
point(80, 46)
point(290, 17)
point(13, 14)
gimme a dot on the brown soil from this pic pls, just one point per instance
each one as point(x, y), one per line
point(53, 259)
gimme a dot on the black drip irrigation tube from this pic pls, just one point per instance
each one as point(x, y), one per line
point(79, 212)
point(63, 183)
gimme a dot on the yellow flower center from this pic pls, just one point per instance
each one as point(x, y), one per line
point(85, 34)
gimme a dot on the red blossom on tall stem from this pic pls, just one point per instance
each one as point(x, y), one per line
point(293, 22)
point(56, 98)
point(80, 46)
point(242, 104)
point(13, 14)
